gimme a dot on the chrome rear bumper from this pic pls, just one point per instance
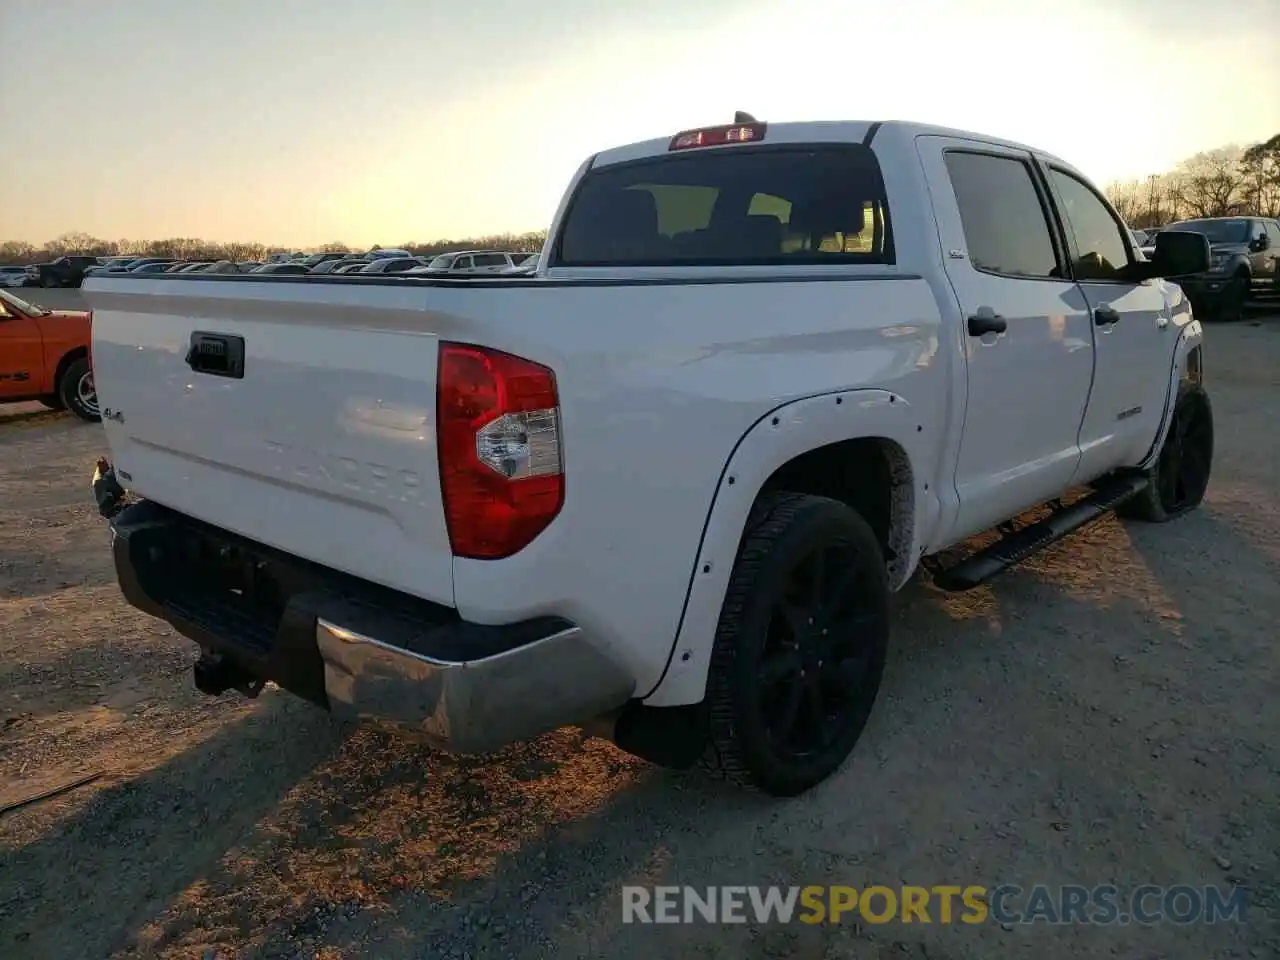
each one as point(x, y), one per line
point(471, 706)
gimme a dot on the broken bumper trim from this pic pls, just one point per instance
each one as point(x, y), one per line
point(356, 648)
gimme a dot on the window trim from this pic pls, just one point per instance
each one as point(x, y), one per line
point(1068, 231)
point(883, 225)
point(1057, 237)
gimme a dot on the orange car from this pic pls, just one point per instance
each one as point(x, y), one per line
point(44, 356)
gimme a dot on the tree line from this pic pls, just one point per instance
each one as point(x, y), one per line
point(191, 248)
point(1229, 181)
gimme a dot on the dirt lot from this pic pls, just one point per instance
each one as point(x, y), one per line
point(1108, 714)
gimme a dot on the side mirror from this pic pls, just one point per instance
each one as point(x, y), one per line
point(1178, 253)
point(1258, 244)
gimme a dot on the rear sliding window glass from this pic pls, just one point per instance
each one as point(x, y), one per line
point(735, 206)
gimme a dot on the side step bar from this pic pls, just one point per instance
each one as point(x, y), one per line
point(1016, 546)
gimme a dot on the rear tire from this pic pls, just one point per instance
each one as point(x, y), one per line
point(800, 647)
point(77, 391)
point(50, 280)
point(1180, 475)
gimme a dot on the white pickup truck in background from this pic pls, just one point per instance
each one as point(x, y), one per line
point(664, 488)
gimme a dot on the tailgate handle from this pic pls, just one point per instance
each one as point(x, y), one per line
point(217, 354)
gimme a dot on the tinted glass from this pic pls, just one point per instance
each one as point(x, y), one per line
point(1218, 231)
point(490, 260)
point(1100, 251)
point(1273, 231)
point(731, 206)
point(1004, 222)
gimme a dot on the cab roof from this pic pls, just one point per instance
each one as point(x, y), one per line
point(823, 131)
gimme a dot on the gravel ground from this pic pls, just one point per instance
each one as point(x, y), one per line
point(1106, 714)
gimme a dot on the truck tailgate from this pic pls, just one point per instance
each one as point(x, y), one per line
point(324, 447)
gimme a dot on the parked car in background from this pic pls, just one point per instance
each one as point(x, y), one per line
point(379, 253)
point(156, 266)
point(44, 356)
point(109, 263)
point(64, 272)
point(13, 276)
point(1244, 264)
point(315, 259)
point(195, 267)
point(282, 269)
point(331, 266)
point(355, 266)
point(469, 261)
point(391, 265)
point(284, 257)
point(524, 267)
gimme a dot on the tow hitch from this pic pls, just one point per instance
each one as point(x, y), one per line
point(215, 674)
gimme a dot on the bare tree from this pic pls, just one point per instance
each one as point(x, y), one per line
point(1124, 196)
point(1210, 183)
point(1260, 170)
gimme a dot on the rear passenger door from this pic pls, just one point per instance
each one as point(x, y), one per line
point(1133, 338)
point(1026, 335)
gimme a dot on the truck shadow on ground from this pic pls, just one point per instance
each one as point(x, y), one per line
point(1040, 726)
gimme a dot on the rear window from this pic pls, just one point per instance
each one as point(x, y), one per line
point(736, 206)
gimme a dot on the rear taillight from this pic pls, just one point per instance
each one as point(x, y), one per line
point(501, 475)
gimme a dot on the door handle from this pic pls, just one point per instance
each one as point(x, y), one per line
point(216, 354)
point(1105, 316)
point(984, 323)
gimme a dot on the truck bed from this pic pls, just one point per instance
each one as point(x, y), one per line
point(326, 449)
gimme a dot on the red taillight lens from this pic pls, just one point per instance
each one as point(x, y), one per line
point(501, 476)
point(718, 136)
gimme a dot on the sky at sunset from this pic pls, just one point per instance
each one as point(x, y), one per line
point(300, 122)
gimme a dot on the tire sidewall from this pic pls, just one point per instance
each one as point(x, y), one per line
point(1235, 294)
point(1187, 397)
point(824, 522)
point(68, 390)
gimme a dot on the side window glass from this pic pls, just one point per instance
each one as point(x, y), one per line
point(1004, 222)
point(1100, 251)
point(1273, 231)
point(462, 263)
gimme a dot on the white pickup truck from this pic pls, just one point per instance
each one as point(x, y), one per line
point(664, 488)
